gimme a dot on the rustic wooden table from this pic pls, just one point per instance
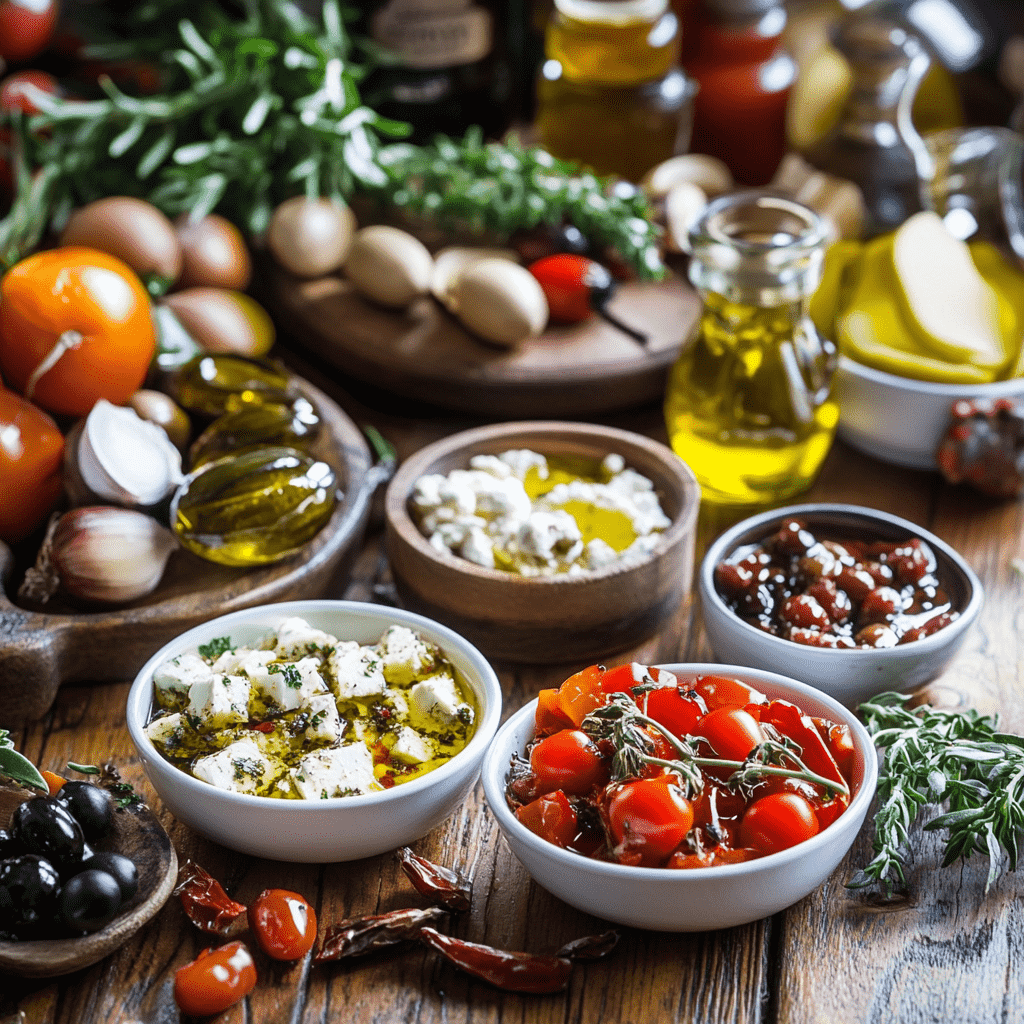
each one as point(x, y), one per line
point(944, 952)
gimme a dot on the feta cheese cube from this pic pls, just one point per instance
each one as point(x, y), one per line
point(218, 702)
point(295, 636)
point(167, 731)
point(411, 747)
point(436, 698)
point(243, 662)
point(396, 699)
point(356, 671)
point(178, 674)
point(324, 721)
point(291, 684)
point(335, 771)
point(406, 657)
point(240, 767)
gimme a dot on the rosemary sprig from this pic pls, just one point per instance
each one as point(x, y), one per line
point(623, 723)
point(957, 758)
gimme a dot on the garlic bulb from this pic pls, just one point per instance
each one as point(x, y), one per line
point(109, 555)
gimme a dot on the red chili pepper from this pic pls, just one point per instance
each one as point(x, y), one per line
point(446, 886)
point(576, 288)
point(206, 903)
point(511, 971)
point(361, 935)
point(590, 947)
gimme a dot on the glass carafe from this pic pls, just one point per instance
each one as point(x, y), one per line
point(749, 405)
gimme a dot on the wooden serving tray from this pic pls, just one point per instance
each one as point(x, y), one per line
point(424, 353)
point(39, 650)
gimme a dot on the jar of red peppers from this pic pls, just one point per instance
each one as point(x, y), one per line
point(733, 50)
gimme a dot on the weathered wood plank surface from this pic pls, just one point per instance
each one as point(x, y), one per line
point(946, 952)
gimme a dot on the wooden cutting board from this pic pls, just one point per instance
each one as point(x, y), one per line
point(425, 354)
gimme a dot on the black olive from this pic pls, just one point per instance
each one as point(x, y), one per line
point(28, 894)
point(91, 806)
point(122, 868)
point(9, 845)
point(45, 827)
point(89, 900)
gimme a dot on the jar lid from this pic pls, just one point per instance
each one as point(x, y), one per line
point(757, 247)
point(612, 12)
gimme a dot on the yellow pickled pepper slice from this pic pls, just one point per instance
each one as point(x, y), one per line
point(1008, 281)
point(838, 277)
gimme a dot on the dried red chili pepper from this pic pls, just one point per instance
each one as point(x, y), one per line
point(445, 886)
point(361, 935)
point(505, 969)
point(590, 947)
point(206, 903)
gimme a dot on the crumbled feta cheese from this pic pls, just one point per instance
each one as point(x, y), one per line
point(241, 767)
point(324, 720)
point(437, 698)
point(491, 464)
point(242, 661)
point(178, 674)
point(397, 702)
point(522, 460)
point(335, 771)
point(218, 702)
point(356, 671)
point(167, 731)
point(405, 656)
point(296, 637)
point(547, 535)
point(477, 547)
point(410, 746)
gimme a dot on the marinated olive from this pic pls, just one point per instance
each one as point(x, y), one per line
point(295, 425)
point(122, 869)
point(89, 901)
point(91, 806)
point(254, 508)
point(211, 385)
point(9, 845)
point(45, 827)
point(28, 893)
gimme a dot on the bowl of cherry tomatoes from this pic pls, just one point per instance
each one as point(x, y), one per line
point(682, 797)
point(848, 599)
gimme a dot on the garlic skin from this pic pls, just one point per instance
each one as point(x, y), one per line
point(107, 555)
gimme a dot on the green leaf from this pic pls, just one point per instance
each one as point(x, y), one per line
point(18, 768)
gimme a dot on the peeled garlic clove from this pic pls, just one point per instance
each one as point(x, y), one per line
point(389, 266)
point(499, 301)
point(123, 459)
point(102, 555)
point(683, 205)
point(453, 261)
point(161, 409)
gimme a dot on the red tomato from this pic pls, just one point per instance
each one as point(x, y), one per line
point(14, 95)
point(777, 822)
point(31, 464)
point(648, 819)
point(581, 693)
point(216, 979)
point(75, 326)
point(671, 709)
point(792, 722)
point(718, 691)
point(25, 27)
point(551, 817)
point(569, 761)
point(572, 284)
point(731, 731)
point(840, 744)
point(284, 924)
point(550, 717)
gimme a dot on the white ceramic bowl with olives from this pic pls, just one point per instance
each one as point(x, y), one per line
point(325, 828)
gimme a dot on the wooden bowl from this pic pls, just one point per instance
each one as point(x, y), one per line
point(551, 619)
point(40, 650)
point(136, 833)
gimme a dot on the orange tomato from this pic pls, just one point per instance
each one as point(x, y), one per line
point(75, 326)
point(31, 461)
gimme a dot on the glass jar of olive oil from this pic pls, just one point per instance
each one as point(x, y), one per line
point(749, 405)
point(610, 93)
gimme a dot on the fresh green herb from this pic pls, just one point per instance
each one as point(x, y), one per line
point(125, 796)
point(934, 757)
point(85, 769)
point(292, 677)
point(317, 719)
point(17, 767)
point(623, 723)
point(216, 647)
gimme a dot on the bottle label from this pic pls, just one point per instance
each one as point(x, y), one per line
point(434, 33)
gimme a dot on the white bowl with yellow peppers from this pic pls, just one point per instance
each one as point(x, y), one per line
point(922, 320)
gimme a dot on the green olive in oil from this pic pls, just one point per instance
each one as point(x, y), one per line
point(264, 425)
point(210, 385)
point(254, 508)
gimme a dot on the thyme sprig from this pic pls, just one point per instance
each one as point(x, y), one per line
point(934, 757)
point(623, 723)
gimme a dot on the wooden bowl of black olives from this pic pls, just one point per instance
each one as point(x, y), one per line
point(83, 637)
point(80, 872)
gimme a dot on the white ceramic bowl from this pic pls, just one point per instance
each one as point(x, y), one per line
point(851, 676)
point(321, 831)
point(695, 899)
point(901, 420)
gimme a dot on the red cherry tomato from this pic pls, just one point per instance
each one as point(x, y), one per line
point(671, 709)
point(284, 924)
point(573, 285)
point(25, 27)
point(569, 761)
point(731, 731)
point(75, 326)
point(31, 463)
point(648, 819)
point(840, 744)
point(551, 817)
point(581, 693)
point(777, 822)
point(718, 691)
point(216, 979)
point(814, 752)
point(550, 717)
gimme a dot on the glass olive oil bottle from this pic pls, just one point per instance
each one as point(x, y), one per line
point(749, 405)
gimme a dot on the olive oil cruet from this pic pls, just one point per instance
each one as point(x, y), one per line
point(749, 405)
